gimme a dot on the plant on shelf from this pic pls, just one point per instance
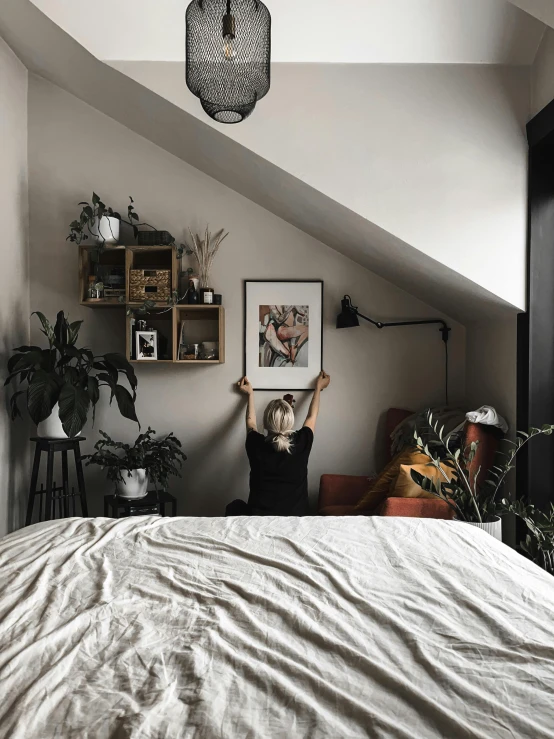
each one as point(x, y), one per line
point(205, 249)
point(68, 378)
point(539, 541)
point(102, 223)
point(472, 499)
point(158, 459)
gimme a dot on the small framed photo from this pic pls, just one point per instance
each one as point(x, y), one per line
point(147, 345)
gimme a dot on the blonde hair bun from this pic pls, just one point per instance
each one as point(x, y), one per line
point(279, 423)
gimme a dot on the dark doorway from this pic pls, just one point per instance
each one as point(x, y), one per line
point(535, 469)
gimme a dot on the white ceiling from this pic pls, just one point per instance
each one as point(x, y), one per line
point(338, 31)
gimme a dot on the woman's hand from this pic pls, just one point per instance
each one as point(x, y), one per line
point(322, 381)
point(244, 386)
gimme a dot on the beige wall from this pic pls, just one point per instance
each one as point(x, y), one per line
point(14, 288)
point(435, 155)
point(542, 74)
point(491, 357)
point(73, 149)
point(492, 366)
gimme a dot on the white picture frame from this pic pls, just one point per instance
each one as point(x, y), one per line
point(144, 339)
point(283, 333)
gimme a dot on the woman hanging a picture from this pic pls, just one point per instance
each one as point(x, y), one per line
point(278, 459)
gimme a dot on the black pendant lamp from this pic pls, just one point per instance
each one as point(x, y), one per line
point(228, 56)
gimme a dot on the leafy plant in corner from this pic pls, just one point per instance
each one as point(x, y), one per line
point(67, 375)
point(161, 458)
point(539, 541)
point(471, 498)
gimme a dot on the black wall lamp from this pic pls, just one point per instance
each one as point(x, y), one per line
point(349, 314)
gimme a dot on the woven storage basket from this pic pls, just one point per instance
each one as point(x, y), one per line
point(150, 284)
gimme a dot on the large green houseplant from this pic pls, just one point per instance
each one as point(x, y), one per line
point(69, 377)
point(473, 497)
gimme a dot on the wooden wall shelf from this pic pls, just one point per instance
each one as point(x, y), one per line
point(202, 323)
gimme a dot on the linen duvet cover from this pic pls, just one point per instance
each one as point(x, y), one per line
point(166, 628)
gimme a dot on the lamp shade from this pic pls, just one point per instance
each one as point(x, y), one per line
point(228, 56)
point(347, 317)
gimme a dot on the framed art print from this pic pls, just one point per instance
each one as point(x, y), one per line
point(283, 333)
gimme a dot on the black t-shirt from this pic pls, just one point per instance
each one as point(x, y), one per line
point(279, 480)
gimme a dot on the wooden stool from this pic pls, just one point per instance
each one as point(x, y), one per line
point(60, 495)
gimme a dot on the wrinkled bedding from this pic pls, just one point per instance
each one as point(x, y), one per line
point(272, 627)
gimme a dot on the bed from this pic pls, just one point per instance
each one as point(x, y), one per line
point(161, 628)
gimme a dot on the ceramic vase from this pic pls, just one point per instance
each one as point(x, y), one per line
point(494, 528)
point(51, 427)
point(134, 484)
point(106, 231)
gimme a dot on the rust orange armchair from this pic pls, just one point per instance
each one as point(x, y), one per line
point(338, 494)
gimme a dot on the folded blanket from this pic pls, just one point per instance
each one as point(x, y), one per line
point(487, 414)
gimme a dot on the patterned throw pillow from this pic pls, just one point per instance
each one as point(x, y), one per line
point(396, 481)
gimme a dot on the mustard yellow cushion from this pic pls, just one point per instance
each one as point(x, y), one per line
point(380, 488)
point(405, 487)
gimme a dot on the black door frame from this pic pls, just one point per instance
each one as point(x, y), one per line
point(535, 328)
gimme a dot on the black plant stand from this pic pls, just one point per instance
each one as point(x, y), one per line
point(52, 494)
point(153, 504)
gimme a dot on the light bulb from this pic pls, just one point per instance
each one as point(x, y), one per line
point(229, 48)
point(229, 29)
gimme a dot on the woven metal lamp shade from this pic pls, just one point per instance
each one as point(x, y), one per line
point(228, 56)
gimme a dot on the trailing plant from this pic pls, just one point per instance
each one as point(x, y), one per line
point(93, 212)
point(67, 375)
point(471, 498)
point(539, 541)
point(160, 458)
point(205, 250)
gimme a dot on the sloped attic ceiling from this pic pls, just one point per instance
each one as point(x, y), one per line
point(50, 52)
point(541, 9)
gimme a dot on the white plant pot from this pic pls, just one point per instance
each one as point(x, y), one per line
point(51, 427)
point(133, 486)
point(107, 231)
point(494, 528)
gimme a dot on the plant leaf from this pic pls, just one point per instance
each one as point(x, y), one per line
point(125, 403)
point(74, 402)
point(42, 395)
point(46, 325)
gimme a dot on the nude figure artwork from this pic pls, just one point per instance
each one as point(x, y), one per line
point(284, 332)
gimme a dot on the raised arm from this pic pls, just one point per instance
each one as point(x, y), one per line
point(246, 388)
point(321, 383)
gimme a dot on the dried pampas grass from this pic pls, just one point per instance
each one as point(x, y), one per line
point(205, 250)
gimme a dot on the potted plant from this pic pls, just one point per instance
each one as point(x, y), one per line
point(474, 501)
point(103, 223)
point(133, 467)
point(63, 382)
point(539, 542)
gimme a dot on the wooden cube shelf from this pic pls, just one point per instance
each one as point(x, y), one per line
point(202, 323)
point(199, 323)
point(91, 261)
